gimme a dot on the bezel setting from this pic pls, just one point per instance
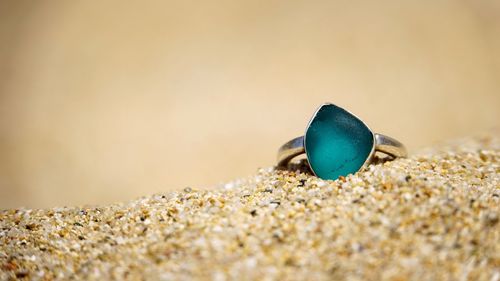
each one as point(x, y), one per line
point(370, 156)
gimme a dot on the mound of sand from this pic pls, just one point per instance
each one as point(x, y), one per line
point(434, 215)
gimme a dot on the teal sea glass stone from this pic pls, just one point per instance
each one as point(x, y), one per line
point(337, 143)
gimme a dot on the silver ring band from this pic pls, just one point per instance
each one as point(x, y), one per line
point(383, 143)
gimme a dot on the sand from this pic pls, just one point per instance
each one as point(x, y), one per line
point(433, 216)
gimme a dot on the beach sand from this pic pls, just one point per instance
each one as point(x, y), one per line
point(432, 216)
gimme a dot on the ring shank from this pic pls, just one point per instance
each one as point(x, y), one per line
point(389, 146)
point(290, 150)
point(383, 143)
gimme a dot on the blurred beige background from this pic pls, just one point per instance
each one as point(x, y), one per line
point(105, 101)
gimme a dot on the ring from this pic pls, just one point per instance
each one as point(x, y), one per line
point(337, 143)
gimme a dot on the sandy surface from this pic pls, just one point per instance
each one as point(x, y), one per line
point(432, 216)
